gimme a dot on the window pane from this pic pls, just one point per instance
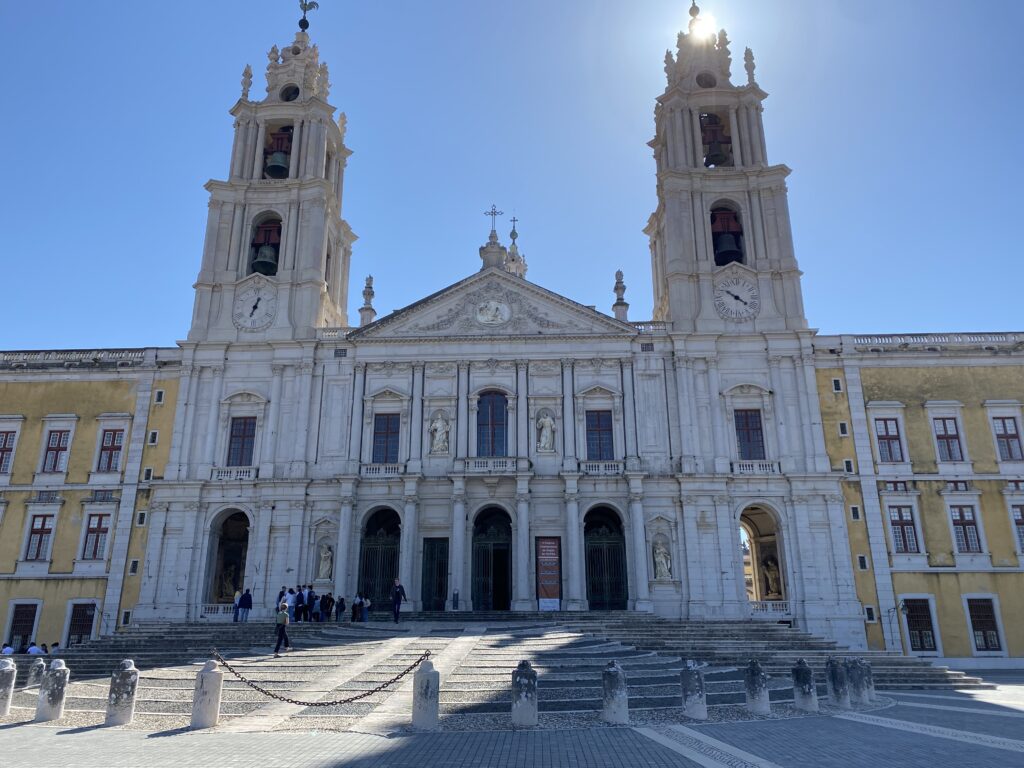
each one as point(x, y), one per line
point(491, 425)
point(749, 435)
point(599, 436)
point(242, 439)
point(386, 433)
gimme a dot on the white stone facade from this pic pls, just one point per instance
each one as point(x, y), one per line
point(673, 479)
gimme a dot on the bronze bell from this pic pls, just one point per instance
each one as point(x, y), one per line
point(277, 165)
point(727, 249)
point(265, 262)
point(715, 155)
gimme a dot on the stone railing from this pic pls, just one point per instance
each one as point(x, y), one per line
point(74, 358)
point(756, 468)
point(769, 609)
point(937, 339)
point(217, 611)
point(381, 470)
point(491, 465)
point(651, 326)
point(601, 467)
point(227, 474)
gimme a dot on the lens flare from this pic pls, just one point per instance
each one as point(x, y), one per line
point(705, 25)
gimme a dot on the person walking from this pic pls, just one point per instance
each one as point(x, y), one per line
point(357, 606)
point(234, 613)
point(300, 603)
point(244, 606)
point(282, 629)
point(397, 596)
point(339, 608)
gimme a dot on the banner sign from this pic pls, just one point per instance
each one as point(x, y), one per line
point(549, 573)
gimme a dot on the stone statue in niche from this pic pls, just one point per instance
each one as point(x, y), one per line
point(326, 562)
point(545, 433)
point(662, 560)
point(772, 582)
point(439, 429)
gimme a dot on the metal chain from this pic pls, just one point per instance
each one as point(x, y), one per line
point(425, 655)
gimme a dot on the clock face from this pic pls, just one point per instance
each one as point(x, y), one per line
point(737, 299)
point(255, 307)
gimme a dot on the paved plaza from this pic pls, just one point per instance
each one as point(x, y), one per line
point(919, 730)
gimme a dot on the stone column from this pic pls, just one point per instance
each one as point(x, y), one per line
point(615, 708)
point(756, 684)
point(689, 447)
point(270, 428)
point(355, 441)
point(521, 567)
point(805, 692)
point(568, 419)
point(206, 699)
point(458, 548)
point(573, 554)
point(698, 139)
point(7, 674)
point(52, 691)
point(177, 436)
point(35, 673)
point(835, 679)
point(640, 558)
point(695, 701)
point(426, 684)
point(629, 416)
point(722, 451)
point(293, 160)
point(522, 413)
point(462, 419)
point(213, 418)
point(302, 404)
point(855, 679)
point(524, 696)
point(409, 539)
point(416, 421)
point(257, 164)
point(342, 548)
point(121, 700)
point(188, 436)
point(737, 151)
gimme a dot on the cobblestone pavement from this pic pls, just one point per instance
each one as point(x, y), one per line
point(937, 729)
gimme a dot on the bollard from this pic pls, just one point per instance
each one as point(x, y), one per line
point(426, 684)
point(756, 682)
point(805, 692)
point(52, 691)
point(616, 695)
point(869, 680)
point(695, 700)
point(524, 695)
point(35, 673)
point(835, 679)
point(206, 701)
point(7, 674)
point(121, 699)
point(854, 668)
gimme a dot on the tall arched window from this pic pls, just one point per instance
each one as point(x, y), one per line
point(492, 425)
point(265, 247)
point(727, 236)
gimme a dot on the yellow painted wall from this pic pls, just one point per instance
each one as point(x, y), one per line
point(55, 594)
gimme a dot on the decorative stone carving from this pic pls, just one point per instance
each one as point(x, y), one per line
point(326, 562)
point(545, 432)
point(439, 429)
point(493, 312)
point(662, 559)
point(246, 82)
point(493, 305)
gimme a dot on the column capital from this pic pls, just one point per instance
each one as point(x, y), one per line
point(347, 501)
point(409, 500)
point(572, 498)
point(277, 369)
point(522, 498)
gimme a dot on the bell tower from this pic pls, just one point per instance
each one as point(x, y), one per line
point(277, 252)
point(721, 247)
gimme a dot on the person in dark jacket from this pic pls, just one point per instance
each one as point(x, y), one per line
point(339, 608)
point(326, 606)
point(244, 606)
point(300, 603)
point(357, 606)
point(397, 596)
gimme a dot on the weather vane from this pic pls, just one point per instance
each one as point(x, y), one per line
point(494, 213)
point(306, 6)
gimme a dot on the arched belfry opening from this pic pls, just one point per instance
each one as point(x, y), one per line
point(727, 235)
point(378, 557)
point(492, 561)
point(605, 544)
point(229, 544)
point(762, 553)
point(265, 246)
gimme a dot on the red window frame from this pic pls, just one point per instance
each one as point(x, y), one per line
point(96, 537)
point(387, 431)
point(749, 434)
point(947, 438)
point(904, 534)
point(1007, 438)
point(110, 450)
point(39, 537)
point(242, 441)
point(984, 626)
point(56, 456)
point(890, 447)
point(600, 444)
point(1017, 514)
point(6, 451)
point(965, 529)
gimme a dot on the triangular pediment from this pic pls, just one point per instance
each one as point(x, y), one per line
point(493, 303)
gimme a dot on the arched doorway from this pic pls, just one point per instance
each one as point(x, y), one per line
point(492, 561)
point(605, 544)
point(229, 545)
point(378, 557)
point(761, 553)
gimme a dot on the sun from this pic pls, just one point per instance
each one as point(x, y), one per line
point(705, 25)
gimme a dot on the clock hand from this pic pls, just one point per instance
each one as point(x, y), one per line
point(741, 301)
point(254, 306)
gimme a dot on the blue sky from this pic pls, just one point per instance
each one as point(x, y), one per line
point(902, 122)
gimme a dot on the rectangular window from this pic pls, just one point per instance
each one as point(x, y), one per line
point(904, 535)
point(646, 346)
point(147, 474)
point(126, 618)
point(869, 613)
point(983, 624)
point(890, 449)
point(896, 486)
point(491, 425)
point(837, 385)
point(862, 562)
point(855, 513)
point(749, 434)
point(919, 625)
point(96, 537)
point(159, 396)
point(133, 567)
point(1017, 513)
point(110, 450)
point(154, 437)
point(965, 529)
point(386, 428)
point(1007, 438)
point(241, 442)
point(848, 465)
point(56, 457)
point(6, 451)
point(140, 518)
point(844, 429)
point(23, 624)
point(947, 437)
point(599, 436)
point(83, 617)
point(958, 485)
point(39, 537)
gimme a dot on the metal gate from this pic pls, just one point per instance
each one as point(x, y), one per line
point(606, 569)
point(435, 574)
point(83, 616)
point(378, 559)
point(492, 563)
